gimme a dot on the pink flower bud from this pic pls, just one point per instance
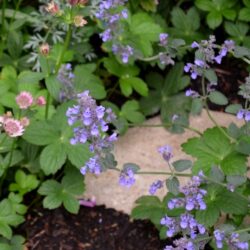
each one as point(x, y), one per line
point(52, 8)
point(25, 122)
point(79, 21)
point(40, 101)
point(24, 100)
point(44, 49)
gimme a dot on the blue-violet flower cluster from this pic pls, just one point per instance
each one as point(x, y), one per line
point(110, 13)
point(91, 124)
point(231, 240)
point(206, 55)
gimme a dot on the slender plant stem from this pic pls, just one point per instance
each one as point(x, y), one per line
point(65, 46)
point(165, 125)
point(207, 110)
point(48, 94)
point(163, 173)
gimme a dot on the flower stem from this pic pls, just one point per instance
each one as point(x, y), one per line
point(163, 173)
point(209, 114)
point(65, 46)
point(165, 125)
point(48, 94)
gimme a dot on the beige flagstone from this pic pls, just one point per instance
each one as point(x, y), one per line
point(139, 145)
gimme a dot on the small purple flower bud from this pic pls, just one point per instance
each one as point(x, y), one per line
point(195, 45)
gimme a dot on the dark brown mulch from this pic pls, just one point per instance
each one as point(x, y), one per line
point(92, 229)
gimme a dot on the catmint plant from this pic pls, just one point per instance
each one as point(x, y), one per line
point(91, 124)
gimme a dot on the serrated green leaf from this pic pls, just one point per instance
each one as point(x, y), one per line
point(78, 154)
point(218, 98)
point(137, 84)
point(130, 110)
point(72, 182)
point(211, 76)
point(231, 202)
point(239, 29)
point(143, 25)
point(5, 230)
point(244, 14)
point(214, 19)
point(209, 216)
point(173, 184)
point(214, 149)
point(182, 165)
point(53, 157)
point(52, 201)
point(30, 77)
point(205, 5)
point(41, 133)
point(71, 203)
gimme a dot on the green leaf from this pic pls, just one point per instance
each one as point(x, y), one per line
point(130, 110)
point(53, 86)
point(229, 14)
point(197, 106)
point(240, 52)
point(244, 14)
point(205, 5)
point(149, 207)
point(53, 157)
point(173, 184)
point(188, 23)
point(78, 154)
point(239, 29)
point(89, 82)
point(72, 182)
point(120, 70)
point(71, 203)
point(218, 98)
point(233, 108)
point(14, 44)
point(126, 87)
point(231, 202)
point(143, 25)
point(214, 149)
point(182, 165)
point(41, 133)
point(30, 77)
point(5, 230)
point(214, 19)
point(24, 183)
point(136, 83)
point(174, 80)
point(52, 189)
point(209, 216)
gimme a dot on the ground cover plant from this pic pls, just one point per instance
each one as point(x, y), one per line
point(73, 79)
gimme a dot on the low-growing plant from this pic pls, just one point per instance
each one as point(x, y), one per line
point(53, 131)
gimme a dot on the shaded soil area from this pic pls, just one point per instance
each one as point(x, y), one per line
point(95, 228)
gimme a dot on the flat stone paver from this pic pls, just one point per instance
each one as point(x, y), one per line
point(139, 145)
